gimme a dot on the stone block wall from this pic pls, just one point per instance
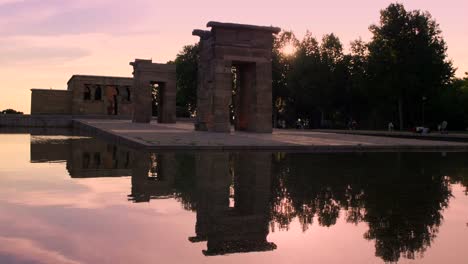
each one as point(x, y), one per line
point(90, 104)
point(46, 101)
point(42, 121)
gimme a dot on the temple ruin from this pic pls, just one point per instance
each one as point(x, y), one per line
point(234, 85)
point(146, 76)
point(233, 218)
point(86, 95)
point(234, 78)
point(124, 97)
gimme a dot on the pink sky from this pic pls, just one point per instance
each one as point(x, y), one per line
point(44, 42)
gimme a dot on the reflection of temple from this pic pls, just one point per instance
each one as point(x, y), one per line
point(93, 158)
point(231, 192)
point(152, 176)
point(85, 157)
point(400, 196)
point(234, 226)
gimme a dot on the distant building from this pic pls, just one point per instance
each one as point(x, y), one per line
point(86, 95)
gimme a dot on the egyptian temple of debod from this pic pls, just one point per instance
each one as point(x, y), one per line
point(234, 105)
point(248, 48)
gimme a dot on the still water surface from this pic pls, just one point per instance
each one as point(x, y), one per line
point(81, 200)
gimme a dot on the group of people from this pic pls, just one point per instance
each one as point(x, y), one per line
point(352, 125)
point(442, 128)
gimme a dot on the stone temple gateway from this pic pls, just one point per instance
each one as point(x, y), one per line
point(245, 50)
point(145, 75)
point(234, 85)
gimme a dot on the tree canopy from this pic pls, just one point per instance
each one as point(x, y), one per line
point(10, 111)
point(187, 73)
point(402, 75)
point(407, 61)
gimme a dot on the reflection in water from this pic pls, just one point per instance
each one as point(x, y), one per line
point(399, 195)
point(238, 227)
point(240, 197)
point(149, 181)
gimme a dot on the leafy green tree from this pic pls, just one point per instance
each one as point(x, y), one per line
point(318, 80)
point(10, 111)
point(281, 68)
point(357, 96)
point(187, 73)
point(407, 62)
point(451, 104)
point(336, 85)
point(402, 74)
point(304, 78)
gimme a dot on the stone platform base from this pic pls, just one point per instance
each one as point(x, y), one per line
point(181, 136)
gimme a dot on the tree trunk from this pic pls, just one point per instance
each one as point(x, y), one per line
point(275, 117)
point(322, 118)
point(400, 112)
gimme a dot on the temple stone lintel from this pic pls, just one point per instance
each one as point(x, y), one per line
point(215, 24)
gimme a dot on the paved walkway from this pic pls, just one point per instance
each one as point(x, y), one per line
point(182, 136)
point(435, 135)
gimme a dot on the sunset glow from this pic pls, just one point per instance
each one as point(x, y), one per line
point(44, 42)
point(288, 50)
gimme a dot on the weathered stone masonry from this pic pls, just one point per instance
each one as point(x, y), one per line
point(47, 101)
point(86, 95)
point(248, 49)
point(145, 75)
point(231, 55)
point(101, 95)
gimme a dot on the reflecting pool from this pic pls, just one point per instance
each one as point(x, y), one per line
point(71, 199)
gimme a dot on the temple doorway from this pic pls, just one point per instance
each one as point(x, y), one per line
point(158, 90)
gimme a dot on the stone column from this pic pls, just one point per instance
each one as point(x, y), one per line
point(246, 97)
point(212, 188)
point(262, 122)
point(244, 227)
point(167, 113)
point(140, 169)
point(205, 77)
point(222, 94)
point(141, 96)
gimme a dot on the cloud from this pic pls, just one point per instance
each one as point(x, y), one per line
point(39, 54)
point(2, 2)
point(26, 251)
point(58, 17)
point(90, 193)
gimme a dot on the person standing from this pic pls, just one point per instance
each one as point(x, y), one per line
point(443, 127)
point(391, 127)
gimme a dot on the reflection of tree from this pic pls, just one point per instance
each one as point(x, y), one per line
point(403, 207)
point(311, 188)
point(185, 181)
point(399, 196)
point(460, 177)
point(281, 208)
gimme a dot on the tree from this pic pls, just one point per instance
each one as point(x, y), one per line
point(451, 104)
point(281, 67)
point(303, 81)
point(357, 98)
point(335, 84)
point(10, 111)
point(318, 80)
point(407, 61)
point(187, 74)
